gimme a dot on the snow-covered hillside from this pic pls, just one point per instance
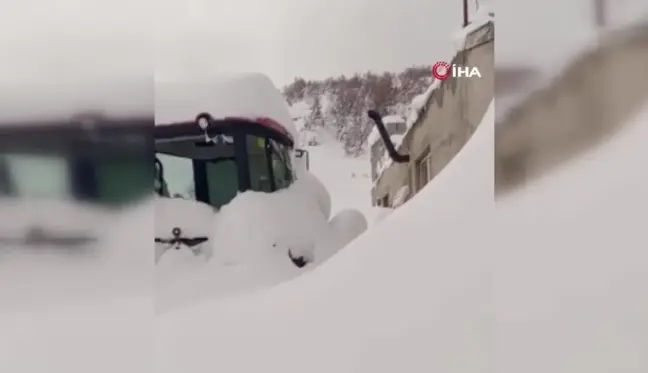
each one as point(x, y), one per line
point(339, 105)
point(333, 126)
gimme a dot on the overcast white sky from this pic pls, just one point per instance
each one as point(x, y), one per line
point(542, 33)
point(308, 38)
point(282, 38)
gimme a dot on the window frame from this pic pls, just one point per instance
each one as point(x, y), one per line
point(423, 163)
point(239, 130)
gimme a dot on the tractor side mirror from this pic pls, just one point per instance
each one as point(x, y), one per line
point(303, 158)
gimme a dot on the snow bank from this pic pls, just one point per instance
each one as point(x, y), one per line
point(412, 296)
point(571, 275)
point(66, 312)
point(240, 95)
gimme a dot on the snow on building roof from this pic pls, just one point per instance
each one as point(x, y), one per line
point(484, 15)
point(374, 135)
point(481, 18)
point(389, 119)
point(251, 96)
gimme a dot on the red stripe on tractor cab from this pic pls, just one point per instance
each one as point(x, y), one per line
point(266, 122)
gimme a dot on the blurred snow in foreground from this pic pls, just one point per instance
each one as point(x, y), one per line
point(89, 311)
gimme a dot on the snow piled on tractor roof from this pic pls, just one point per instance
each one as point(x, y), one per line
point(250, 96)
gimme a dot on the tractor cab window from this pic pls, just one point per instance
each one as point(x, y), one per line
point(260, 175)
point(281, 165)
point(269, 161)
point(174, 177)
point(214, 171)
point(191, 168)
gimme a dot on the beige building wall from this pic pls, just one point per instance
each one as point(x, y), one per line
point(451, 115)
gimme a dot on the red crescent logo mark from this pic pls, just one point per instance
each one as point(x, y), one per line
point(441, 70)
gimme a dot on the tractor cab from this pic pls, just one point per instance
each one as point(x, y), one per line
point(215, 139)
point(211, 160)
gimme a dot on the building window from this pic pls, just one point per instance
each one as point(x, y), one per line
point(423, 170)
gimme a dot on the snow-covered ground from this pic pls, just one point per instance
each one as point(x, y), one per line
point(413, 295)
point(555, 283)
point(348, 179)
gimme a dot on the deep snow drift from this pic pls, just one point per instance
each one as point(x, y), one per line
point(411, 295)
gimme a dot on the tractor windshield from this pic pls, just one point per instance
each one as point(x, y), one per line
point(215, 171)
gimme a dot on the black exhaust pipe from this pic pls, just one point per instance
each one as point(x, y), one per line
point(391, 149)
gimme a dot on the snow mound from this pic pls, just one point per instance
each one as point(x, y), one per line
point(391, 301)
point(252, 237)
point(313, 185)
point(250, 96)
point(345, 226)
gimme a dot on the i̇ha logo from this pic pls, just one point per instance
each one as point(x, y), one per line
point(442, 70)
